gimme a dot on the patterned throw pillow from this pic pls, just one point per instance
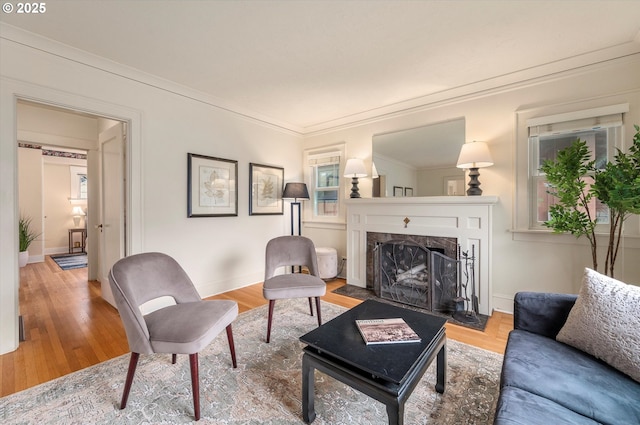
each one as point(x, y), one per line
point(605, 322)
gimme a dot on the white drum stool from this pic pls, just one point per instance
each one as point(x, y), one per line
point(327, 262)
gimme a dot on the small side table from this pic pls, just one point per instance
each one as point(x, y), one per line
point(83, 238)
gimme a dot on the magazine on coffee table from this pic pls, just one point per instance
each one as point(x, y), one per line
point(386, 331)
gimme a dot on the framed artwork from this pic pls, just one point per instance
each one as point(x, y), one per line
point(408, 191)
point(212, 186)
point(398, 191)
point(265, 189)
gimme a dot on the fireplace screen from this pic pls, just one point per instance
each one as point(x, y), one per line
point(415, 275)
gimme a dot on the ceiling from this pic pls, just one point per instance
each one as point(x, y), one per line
point(314, 65)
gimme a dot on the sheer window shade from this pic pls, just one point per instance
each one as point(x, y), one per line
point(593, 123)
point(604, 117)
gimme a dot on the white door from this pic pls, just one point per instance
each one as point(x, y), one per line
point(112, 225)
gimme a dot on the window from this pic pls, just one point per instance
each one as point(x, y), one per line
point(323, 179)
point(601, 134)
point(327, 188)
point(78, 182)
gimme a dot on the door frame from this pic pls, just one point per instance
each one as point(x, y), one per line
point(106, 234)
point(10, 92)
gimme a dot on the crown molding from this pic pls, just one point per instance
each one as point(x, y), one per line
point(503, 83)
point(490, 87)
point(64, 51)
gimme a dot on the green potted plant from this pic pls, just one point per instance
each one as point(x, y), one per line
point(567, 176)
point(26, 236)
point(618, 187)
point(575, 181)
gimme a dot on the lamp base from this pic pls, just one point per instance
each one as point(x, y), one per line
point(355, 193)
point(474, 183)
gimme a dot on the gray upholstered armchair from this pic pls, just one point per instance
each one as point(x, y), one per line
point(287, 251)
point(184, 328)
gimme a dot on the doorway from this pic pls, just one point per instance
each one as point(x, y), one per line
point(15, 91)
point(104, 140)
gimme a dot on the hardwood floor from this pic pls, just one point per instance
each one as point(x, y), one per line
point(68, 326)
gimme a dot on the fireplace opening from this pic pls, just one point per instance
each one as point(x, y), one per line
point(429, 273)
point(415, 275)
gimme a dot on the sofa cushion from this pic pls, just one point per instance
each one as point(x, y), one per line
point(542, 313)
point(519, 407)
point(570, 378)
point(605, 322)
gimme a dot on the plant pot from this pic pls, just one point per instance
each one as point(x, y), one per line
point(23, 258)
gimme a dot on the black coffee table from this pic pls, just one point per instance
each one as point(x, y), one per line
point(387, 373)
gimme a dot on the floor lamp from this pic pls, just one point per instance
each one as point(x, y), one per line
point(295, 191)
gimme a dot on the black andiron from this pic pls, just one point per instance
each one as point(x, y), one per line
point(467, 304)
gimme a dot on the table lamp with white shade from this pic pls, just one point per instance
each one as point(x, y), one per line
point(355, 169)
point(474, 155)
point(77, 214)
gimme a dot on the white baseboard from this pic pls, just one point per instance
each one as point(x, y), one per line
point(56, 250)
point(503, 303)
point(208, 289)
point(35, 259)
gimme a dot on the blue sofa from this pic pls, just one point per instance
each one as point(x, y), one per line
point(547, 382)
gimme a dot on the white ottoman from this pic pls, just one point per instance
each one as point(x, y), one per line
point(327, 262)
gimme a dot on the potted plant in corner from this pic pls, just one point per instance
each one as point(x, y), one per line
point(618, 187)
point(575, 180)
point(26, 236)
point(569, 177)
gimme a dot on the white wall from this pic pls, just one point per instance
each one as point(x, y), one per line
point(521, 261)
point(57, 209)
point(30, 184)
point(45, 184)
point(218, 253)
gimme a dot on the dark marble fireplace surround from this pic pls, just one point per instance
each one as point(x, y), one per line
point(423, 293)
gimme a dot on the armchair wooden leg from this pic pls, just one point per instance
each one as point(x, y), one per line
point(318, 310)
point(174, 357)
point(270, 319)
point(133, 363)
point(195, 384)
point(232, 346)
point(310, 306)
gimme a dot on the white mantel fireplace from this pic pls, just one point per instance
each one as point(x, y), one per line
point(465, 218)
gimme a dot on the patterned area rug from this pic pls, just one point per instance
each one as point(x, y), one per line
point(264, 389)
point(70, 261)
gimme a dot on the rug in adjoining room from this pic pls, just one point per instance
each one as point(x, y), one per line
point(70, 261)
point(264, 389)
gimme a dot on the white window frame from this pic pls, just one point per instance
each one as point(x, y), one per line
point(530, 123)
point(613, 131)
point(320, 156)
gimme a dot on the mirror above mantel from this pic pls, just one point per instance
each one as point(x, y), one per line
point(419, 161)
